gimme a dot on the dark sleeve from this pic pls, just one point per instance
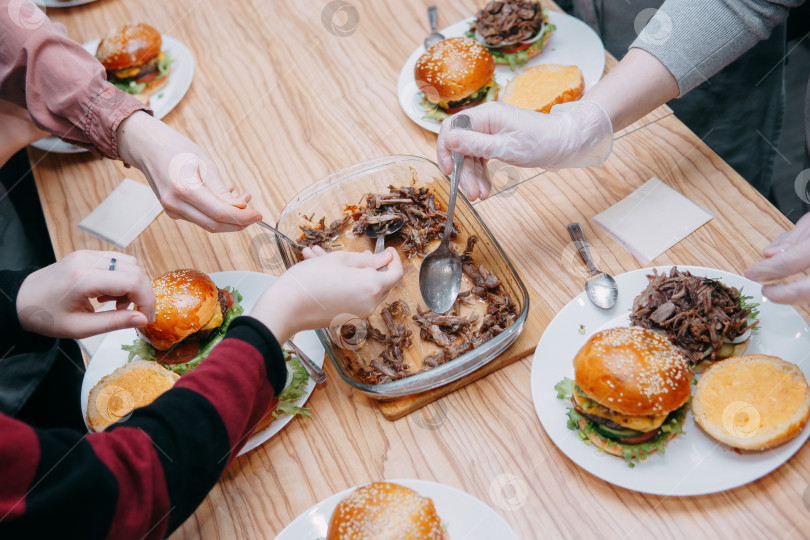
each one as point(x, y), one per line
point(15, 340)
point(144, 476)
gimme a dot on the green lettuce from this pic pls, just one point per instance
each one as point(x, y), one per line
point(131, 87)
point(146, 351)
point(435, 112)
point(293, 391)
point(632, 453)
point(521, 57)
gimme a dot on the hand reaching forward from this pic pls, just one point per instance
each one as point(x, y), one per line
point(787, 256)
point(55, 301)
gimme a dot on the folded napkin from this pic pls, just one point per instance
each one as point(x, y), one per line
point(652, 219)
point(121, 217)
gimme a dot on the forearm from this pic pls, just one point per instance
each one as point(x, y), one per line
point(144, 476)
point(62, 85)
point(638, 85)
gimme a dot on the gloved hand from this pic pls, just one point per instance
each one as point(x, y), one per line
point(577, 134)
point(788, 255)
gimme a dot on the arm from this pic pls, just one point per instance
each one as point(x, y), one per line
point(66, 93)
point(144, 476)
point(693, 42)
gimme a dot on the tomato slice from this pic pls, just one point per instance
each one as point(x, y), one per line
point(510, 50)
point(644, 437)
point(148, 78)
point(179, 354)
point(229, 299)
point(454, 110)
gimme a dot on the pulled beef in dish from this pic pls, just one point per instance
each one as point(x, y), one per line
point(695, 313)
point(422, 220)
point(502, 23)
point(390, 365)
point(321, 235)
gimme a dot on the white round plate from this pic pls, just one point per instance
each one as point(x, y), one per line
point(466, 517)
point(694, 463)
point(161, 102)
point(62, 3)
point(572, 43)
point(109, 356)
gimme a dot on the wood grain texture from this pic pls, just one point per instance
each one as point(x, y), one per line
point(279, 101)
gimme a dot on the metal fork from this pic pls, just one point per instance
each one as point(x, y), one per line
point(315, 373)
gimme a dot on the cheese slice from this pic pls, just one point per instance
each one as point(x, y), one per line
point(215, 322)
point(636, 423)
point(445, 104)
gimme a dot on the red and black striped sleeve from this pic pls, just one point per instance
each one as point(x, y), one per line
point(141, 478)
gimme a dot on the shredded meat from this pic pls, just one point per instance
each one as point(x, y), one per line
point(321, 235)
point(422, 220)
point(695, 313)
point(502, 23)
point(390, 366)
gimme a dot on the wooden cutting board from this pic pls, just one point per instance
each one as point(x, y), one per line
point(540, 316)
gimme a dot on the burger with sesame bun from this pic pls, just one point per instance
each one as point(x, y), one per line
point(384, 510)
point(134, 61)
point(630, 392)
point(453, 75)
point(191, 316)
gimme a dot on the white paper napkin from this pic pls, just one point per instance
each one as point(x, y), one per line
point(121, 217)
point(652, 219)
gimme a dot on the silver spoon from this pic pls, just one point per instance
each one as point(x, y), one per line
point(600, 287)
point(434, 36)
point(380, 231)
point(314, 372)
point(295, 245)
point(440, 274)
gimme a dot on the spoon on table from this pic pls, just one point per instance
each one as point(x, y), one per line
point(380, 231)
point(600, 287)
point(440, 274)
point(434, 36)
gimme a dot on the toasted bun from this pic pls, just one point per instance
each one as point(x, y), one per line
point(541, 87)
point(453, 69)
point(633, 371)
point(612, 447)
point(187, 302)
point(133, 385)
point(129, 45)
point(738, 349)
point(529, 53)
point(382, 511)
point(752, 402)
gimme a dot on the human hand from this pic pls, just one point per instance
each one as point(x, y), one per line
point(182, 176)
point(18, 130)
point(577, 134)
point(55, 301)
point(788, 255)
point(315, 291)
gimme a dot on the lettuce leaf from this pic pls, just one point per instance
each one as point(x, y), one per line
point(434, 112)
point(146, 351)
point(294, 390)
point(632, 453)
point(521, 57)
point(131, 87)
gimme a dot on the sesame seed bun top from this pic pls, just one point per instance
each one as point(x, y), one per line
point(130, 45)
point(187, 301)
point(383, 510)
point(453, 69)
point(633, 371)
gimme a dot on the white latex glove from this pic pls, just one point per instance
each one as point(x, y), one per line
point(788, 255)
point(577, 134)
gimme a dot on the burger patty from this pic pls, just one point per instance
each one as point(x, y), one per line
point(129, 73)
point(202, 335)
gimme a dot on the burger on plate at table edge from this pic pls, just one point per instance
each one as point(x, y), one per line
point(453, 75)
point(512, 31)
point(630, 392)
point(134, 61)
point(191, 317)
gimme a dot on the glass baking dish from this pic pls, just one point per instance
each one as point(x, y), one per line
point(330, 197)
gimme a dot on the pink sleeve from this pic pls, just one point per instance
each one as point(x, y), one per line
point(63, 86)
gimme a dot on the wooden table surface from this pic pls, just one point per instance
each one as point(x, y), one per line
point(279, 99)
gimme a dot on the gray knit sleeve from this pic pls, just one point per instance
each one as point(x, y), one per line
point(695, 39)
